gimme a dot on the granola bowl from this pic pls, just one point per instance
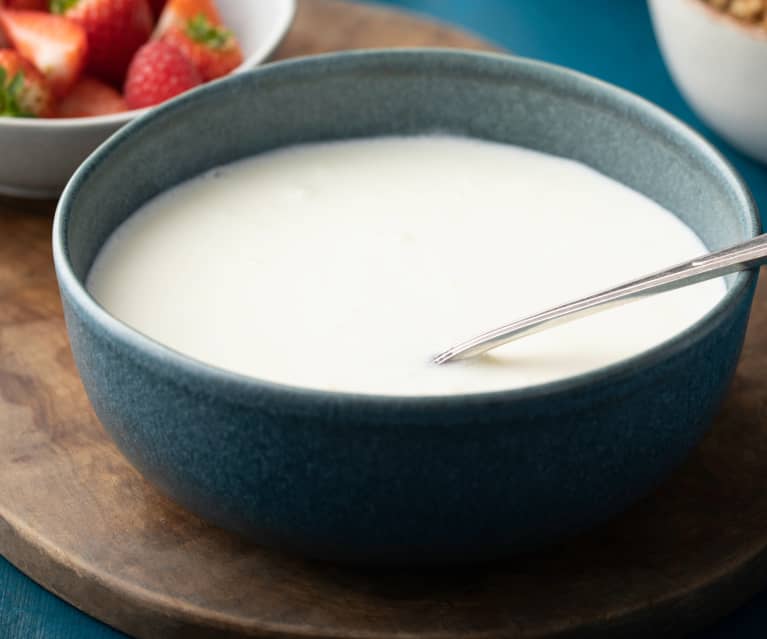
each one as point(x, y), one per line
point(716, 52)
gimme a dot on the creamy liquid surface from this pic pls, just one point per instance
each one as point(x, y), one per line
point(346, 266)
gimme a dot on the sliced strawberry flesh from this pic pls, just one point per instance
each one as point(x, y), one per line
point(55, 45)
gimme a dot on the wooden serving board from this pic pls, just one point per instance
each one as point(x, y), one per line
point(79, 520)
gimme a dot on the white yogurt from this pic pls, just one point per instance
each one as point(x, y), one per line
point(346, 266)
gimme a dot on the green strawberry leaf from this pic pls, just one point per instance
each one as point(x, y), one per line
point(16, 85)
point(10, 94)
point(201, 30)
point(62, 6)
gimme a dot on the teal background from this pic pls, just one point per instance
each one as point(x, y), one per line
point(611, 39)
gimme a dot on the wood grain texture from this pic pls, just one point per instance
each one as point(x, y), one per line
point(329, 25)
point(78, 519)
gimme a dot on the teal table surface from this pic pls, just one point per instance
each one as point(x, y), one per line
point(610, 39)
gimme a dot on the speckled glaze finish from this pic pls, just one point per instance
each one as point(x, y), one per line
point(367, 478)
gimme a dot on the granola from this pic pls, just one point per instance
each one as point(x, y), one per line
point(750, 11)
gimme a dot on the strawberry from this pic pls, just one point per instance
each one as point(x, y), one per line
point(55, 45)
point(213, 49)
point(178, 13)
point(28, 5)
point(90, 97)
point(23, 90)
point(115, 29)
point(158, 72)
point(157, 7)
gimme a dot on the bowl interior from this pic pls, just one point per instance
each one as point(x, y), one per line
point(259, 27)
point(42, 154)
point(406, 92)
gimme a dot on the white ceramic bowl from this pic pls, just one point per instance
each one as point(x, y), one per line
point(38, 156)
point(718, 64)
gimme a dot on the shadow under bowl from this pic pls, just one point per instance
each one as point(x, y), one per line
point(404, 479)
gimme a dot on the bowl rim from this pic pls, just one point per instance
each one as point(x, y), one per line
point(244, 385)
point(258, 56)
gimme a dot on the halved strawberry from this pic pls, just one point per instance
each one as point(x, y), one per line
point(158, 72)
point(213, 49)
point(55, 45)
point(178, 13)
point(90, 97)
point(28, 5)
point(23, 90)
point(115, 29)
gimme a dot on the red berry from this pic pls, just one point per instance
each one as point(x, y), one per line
point(90, 97)
point(158, 72)
point(55, 45)
point(213, 49)
point(115, 28)
point(157, 7)
point(178, 12)
point(28, 5)
point(23, 89)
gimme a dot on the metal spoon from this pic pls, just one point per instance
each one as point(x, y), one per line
point(740, 257)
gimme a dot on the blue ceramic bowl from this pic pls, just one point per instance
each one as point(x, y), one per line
point(359, 477)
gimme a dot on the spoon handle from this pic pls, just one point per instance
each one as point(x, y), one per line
point(740, 257)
